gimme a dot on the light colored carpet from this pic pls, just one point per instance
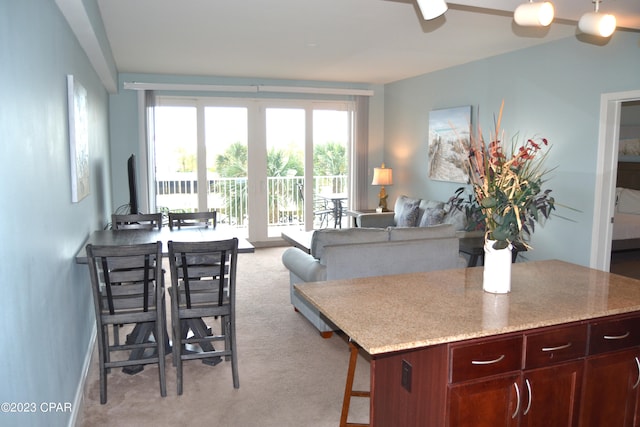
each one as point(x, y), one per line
point(289, 375)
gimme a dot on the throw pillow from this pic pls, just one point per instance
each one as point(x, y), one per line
point(432, 216)
point(409, 215)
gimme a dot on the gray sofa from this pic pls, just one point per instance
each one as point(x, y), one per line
point(365, 252)
point(413, 212)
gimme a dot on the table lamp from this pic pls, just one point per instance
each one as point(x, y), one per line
point(382, 176)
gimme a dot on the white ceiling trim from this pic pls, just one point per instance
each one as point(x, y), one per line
point(248, 88)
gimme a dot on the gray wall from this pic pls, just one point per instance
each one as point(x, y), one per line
point(46, 311)
point(552, 90)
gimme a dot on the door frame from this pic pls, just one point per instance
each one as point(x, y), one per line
point(606, 171)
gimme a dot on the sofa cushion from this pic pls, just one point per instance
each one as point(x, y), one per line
point(431, 213)
point(456, 217)
point(407, 211)
point(417, 233)
point(322, 238)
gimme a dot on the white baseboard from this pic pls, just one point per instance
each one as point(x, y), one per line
point(77, 401)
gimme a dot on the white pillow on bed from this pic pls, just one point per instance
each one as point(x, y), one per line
point(629, 201)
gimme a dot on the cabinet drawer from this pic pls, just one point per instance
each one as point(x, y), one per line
point(616, 334)
point(555, 345)
point(485, 358)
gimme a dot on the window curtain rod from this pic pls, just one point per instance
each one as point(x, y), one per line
point(247, 88)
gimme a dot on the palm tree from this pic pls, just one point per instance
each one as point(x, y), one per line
point(330, 159)
point(233, 162)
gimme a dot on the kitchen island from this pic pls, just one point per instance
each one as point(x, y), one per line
point(562, 348)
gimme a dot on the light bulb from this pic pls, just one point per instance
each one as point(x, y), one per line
point(534, 14)
point(597, 24)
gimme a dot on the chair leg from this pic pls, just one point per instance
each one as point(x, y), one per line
point(102, 359)
point(349, 391)
point(231, 331)
point(160, 338)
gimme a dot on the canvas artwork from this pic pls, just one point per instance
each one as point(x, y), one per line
point(449, 141)
point(78, 139)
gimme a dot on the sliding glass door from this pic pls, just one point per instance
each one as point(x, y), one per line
point(262, 165)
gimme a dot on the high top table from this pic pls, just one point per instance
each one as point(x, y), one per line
point(133, 237)
point(563, 345)
point(165, 234)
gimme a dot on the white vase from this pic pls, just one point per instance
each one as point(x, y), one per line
point(496, 277)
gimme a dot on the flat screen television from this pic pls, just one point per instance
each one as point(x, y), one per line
point(133, 188)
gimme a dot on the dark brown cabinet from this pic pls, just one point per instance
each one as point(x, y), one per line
point(552, 396)
point(612, 374)
point(545, 392)
point(533, 378)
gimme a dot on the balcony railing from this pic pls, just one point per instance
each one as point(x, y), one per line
point(228, 196)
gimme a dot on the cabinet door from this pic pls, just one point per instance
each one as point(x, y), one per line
point(551, 395)
point(610, 393)
point(485, 403)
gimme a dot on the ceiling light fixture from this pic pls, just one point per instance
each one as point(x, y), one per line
point(534, 14)
point(432, 8)
point(597, 24)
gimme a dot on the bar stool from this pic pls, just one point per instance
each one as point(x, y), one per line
point(349, 392)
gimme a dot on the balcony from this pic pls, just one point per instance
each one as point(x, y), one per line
point(228, 196)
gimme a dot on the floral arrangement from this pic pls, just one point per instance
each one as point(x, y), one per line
point(507, 184)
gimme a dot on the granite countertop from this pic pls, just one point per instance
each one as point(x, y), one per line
point(401, 312)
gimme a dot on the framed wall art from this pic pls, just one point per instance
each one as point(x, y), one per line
point(449, 142)
point(78, 139)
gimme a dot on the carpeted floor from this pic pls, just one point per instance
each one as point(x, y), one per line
point(289, 375)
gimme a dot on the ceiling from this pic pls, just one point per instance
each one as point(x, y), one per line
point(364, 41)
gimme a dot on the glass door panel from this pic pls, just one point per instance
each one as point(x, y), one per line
point(331, 142)
point(226, 144)
point(285, 139)
point(176, 148)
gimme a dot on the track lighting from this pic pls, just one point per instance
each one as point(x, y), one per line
point(534, 14)
point(597, 24)
point(431, 9)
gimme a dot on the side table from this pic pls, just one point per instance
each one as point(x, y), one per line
point(474, 247)
point(355, 213)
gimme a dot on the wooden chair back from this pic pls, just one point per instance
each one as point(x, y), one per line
point(192, 219)
point(203, 284)
point(128, 288)
point(136, 221)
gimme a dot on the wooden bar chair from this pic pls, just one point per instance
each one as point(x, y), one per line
point(203, 285)
point(136, 221)
point(192, 219)
point(349, 392)
point(128, 289)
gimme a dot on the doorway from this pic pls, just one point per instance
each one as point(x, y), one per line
point(604, 200)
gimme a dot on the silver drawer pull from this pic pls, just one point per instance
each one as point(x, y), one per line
point(560, 347)
point(515, 414)
point(487, 362)
point(637, 382)
point(616, 337)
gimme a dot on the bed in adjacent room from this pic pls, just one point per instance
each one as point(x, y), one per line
point(626, 223)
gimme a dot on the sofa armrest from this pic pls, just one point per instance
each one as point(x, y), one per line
point(375, 220)
point(303, 265)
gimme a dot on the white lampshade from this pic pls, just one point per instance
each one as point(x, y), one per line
point(597, 24)
point(431, 9)
point(382, 176)
point(534, 14)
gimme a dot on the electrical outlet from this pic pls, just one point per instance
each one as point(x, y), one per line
point(406, 375)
